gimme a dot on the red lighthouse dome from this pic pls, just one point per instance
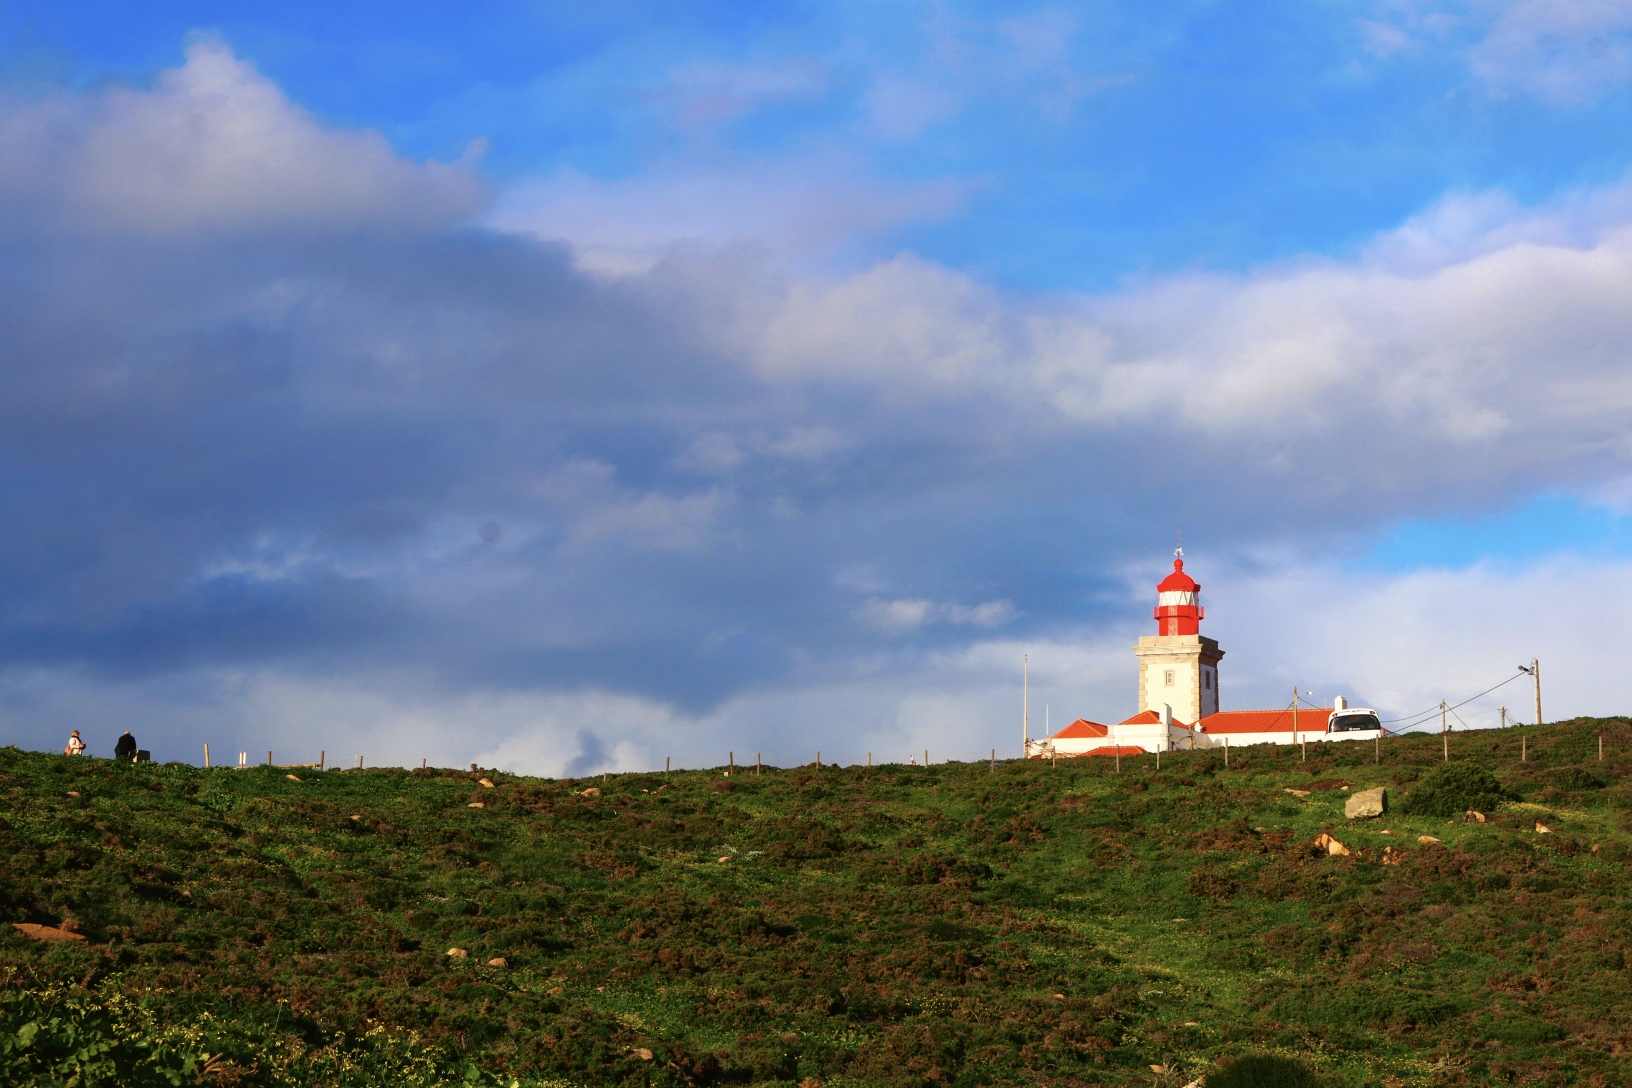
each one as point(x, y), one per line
point(1178, 603)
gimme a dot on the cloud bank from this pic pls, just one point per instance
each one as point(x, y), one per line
point(305, 449)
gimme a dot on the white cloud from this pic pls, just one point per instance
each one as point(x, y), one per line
point(807, 201)
point(1497, 336)
point(713, 92)
point(905, 318)
point(653, 521)
point(1397, 642)
point(1562, 51)
point(1402, 642)
point(1481, 350)
point(912, 613)
point(215, 146)
point(717, 454)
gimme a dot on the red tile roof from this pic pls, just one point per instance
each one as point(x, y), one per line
point(1265, 721)
point(1150, 717)
point(1082, 727)
point(1115, 750)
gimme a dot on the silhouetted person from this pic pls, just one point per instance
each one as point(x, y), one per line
point(126, 748)
point(75, 746)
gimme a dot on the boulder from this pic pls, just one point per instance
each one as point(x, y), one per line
point(593, 791)
point(1366, 804)
point(1332, 847)
point(458, 953)
point(1472, 817)
point(484, 783)
point(477, 804)
point(1543, 829)
point(498, 961)
point(1426, 839)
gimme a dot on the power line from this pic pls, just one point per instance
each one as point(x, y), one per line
point(1435, 709)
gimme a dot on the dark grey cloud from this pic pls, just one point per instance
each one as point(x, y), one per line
point(286, 435)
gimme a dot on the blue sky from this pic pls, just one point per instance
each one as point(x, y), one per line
point(1087, 143)
point(550, 384)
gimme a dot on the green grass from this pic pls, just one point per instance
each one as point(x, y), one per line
point(954, 925)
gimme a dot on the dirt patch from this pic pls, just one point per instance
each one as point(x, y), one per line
point(48, 933)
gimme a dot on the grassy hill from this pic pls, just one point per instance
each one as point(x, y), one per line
point(955, 925)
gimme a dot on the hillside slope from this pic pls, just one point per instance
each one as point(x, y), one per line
point(955, 925)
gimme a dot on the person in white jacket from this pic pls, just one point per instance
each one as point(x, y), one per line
point(76, 747)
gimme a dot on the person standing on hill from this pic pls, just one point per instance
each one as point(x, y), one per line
point(75, 747)
point(126, 748)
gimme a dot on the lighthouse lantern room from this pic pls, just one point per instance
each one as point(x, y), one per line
point(1178, 603)
point(1178, 666)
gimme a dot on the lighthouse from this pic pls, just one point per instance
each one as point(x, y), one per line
point(1178, 665)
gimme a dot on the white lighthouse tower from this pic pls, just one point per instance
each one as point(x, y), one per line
point(1178, 666)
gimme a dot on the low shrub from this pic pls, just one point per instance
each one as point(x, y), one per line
point(1573, 779)
point(1451, 789)
point(1264, 1071)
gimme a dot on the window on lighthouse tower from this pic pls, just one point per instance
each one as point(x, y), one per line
point(1169, 677)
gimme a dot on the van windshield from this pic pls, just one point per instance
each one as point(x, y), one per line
point(1341, 723)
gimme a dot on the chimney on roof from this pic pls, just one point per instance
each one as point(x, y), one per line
point(1167, 716)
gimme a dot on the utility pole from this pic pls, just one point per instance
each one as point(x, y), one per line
point(1025, 705)
point(1294, 713)
point(1444, 733)
point(1504, 717)
point(1535, 669)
